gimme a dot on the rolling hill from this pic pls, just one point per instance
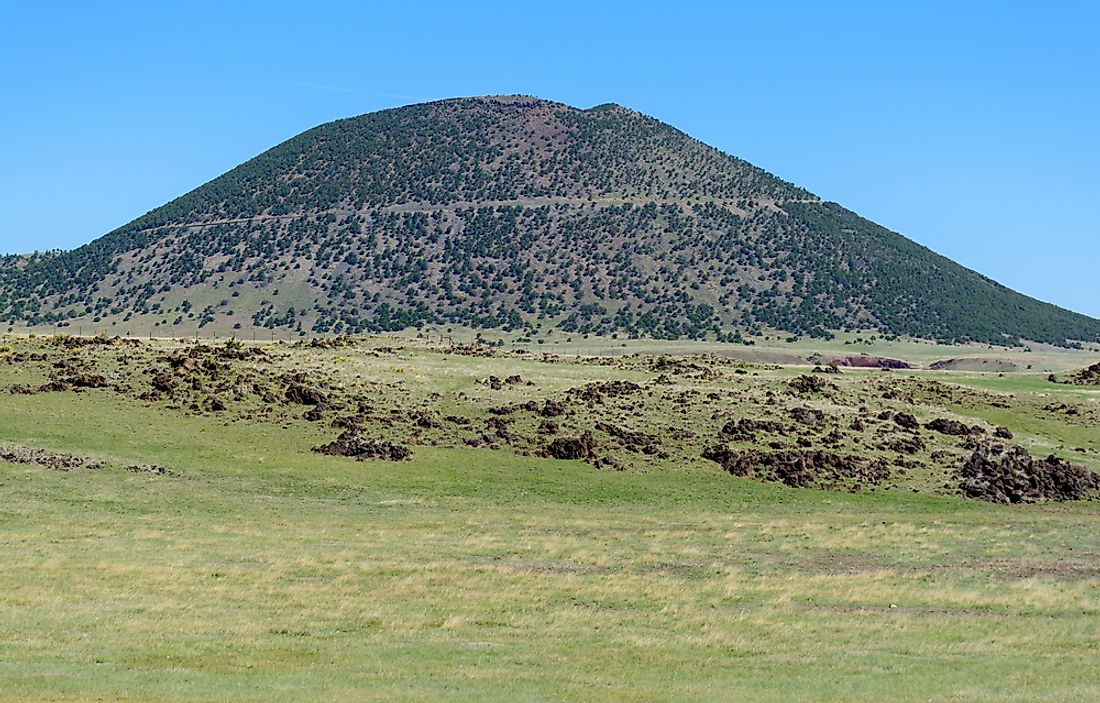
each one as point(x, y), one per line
point(496, 212)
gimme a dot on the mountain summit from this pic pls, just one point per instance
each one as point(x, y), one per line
point(494, 212)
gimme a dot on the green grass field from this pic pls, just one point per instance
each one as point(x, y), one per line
point(261, 571)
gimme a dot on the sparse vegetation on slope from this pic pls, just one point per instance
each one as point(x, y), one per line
point(498, 212)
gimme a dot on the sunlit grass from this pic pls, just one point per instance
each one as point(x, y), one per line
point(263, 572)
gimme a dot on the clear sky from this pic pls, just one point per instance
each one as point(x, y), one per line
point(971, 127)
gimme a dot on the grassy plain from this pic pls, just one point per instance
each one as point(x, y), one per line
point(260, 571)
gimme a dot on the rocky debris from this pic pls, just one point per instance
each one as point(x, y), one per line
point(479, 350)
point(21, 389)
point(745, 429)
point(190, 364)
point(831, 368)
point(552, 408)
point(530, 406)
point(351, 444)
point(164, 382)
point(426, 420)
point(904, 444)
point(349, 422)
point(59, 461)
point(213, 404)
point(810, 384)
point(1085, 377)
point(502, 428)
point(213, 362)
point(798, 468)
point(1062, 408)
point(632, 440)
point(1002, 433)
point(609, 462)
point(906, 421)
point(807, 416)
point(582, 447)
point(50, 460)
point(150, 469)
point(339, 342)
point(682, 366)
point(485, 439)
point(85, 380)
point(871, 362)
point(22, 357)
point(237, 352)
point(953, 427)
point(301, 394)
point(497, 384)
point(594, 393)
point(893, 393)
point(548, 427)
point(1011, 475)
point(70, 342)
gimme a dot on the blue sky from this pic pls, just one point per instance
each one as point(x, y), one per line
point(970, 127)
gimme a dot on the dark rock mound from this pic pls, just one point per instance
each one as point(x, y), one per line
point(953, 427)
point(809, 384)
point(583, 447)
point(906, 421)
point(1085, 377)
point(86, 380)
point(302, 394)
point(1012, 475)
point(552, 408)
point(349, 443)
point(164, 382)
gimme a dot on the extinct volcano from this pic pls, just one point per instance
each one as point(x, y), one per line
point(496, 212)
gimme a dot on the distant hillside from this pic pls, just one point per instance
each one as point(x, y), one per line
point(495, 212)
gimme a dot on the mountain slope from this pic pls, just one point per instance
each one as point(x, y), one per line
point(493, 212)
